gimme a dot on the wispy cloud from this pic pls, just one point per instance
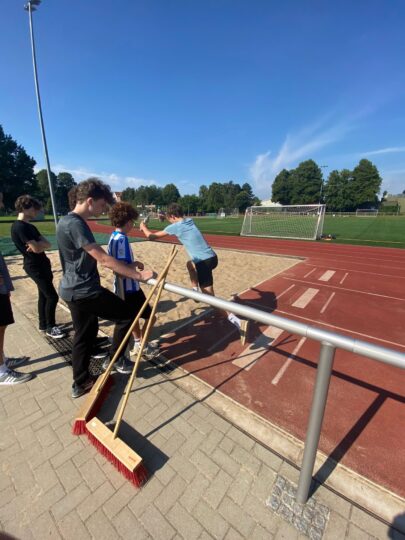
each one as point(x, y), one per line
point(296, 147)
point(389, 150)
point(117, 182)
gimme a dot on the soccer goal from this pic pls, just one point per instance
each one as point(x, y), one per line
point(227, 212)
point(366, 212)
point(301, 222)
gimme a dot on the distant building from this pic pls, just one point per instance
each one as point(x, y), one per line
point(117, 196)
point(395, 200)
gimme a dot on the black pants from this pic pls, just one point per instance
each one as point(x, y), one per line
point(47, 296)
point(85, 313)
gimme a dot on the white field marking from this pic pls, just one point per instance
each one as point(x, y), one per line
point(223, 338)
point(372, 273)
point(327, 275)
point(343, 278)
point(283, 369)
point(310, 272)
point(281, 294)
point(349, 330)
point(305, 298)
point(329, 300)
point(258, 348)
point(349, 290)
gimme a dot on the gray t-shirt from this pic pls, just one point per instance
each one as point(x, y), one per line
point(80, 275)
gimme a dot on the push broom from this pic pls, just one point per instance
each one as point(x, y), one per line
point(97, 394)
point(107, 442)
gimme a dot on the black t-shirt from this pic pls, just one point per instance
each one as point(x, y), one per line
point(23, 232)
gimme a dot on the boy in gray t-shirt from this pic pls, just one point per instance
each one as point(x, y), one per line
point(80, 286)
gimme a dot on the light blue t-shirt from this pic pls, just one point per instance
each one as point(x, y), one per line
point(192, 239)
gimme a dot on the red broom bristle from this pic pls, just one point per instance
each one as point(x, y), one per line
point(138, 477)
point(79, 427)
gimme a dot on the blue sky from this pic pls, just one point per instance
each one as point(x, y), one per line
point(191, 92)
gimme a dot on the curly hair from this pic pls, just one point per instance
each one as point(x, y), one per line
point(25, 202)
point(121, 213)
point(92, 187)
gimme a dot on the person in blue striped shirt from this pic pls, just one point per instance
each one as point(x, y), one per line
point(122, 216)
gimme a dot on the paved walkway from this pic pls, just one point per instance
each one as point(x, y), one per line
point(208, 479)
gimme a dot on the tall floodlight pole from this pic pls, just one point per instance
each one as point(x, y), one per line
point(31, 6)
point(320, 192)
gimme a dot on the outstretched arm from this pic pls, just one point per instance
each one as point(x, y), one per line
point(152, 235)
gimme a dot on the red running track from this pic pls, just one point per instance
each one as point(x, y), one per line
point(356, 291)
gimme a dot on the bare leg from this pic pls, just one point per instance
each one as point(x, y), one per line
point(193, 274)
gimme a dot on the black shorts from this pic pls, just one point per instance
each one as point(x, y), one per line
point(204, 271)
point(135, 301)
point(6, 313)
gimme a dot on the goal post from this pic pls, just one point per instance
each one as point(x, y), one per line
point(366, 212)
point(300, 222)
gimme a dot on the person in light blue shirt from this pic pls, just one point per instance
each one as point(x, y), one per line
point(203, 259)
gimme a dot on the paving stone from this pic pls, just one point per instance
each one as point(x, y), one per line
point(95, 500)
point(73, 528)
point(211, 442)
point(374, 528)
point(173, 491)
point(336, 527)
point(67, 453)
point(193, 442)
point(212, 521)
point(100, 527)
point(218, 487)
point(205, 464)
point(45, 476)
point(246, 459)
point(184, 523)
point(156, 524)
point(44, 527)
point(119, 499)
point(128, 526)
point(225, 462)
point(145, 496)
point(194, 491)
point(92, 474)
point(237, 517)
point(165, 474)
point(240, 487)
point(183, 467)
point(356, 533)
point(69, 475)
point(70, 501)
point(227, 445)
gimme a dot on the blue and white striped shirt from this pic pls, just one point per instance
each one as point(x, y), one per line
point(120, 249)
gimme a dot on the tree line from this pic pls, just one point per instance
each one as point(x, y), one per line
point(210, 198)
point(344, 190)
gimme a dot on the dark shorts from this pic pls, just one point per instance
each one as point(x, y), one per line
point(204, 271)
point(135, 301)
point(6, 313)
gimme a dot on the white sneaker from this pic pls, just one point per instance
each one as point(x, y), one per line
point(150, 350)
point(55, 332)
point(10, 377)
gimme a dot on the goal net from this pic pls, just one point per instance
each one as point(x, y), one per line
point(228, 212)
point(302, 222)
point(366, 212)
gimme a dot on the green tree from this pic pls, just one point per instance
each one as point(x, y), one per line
point(64, 183)
point(215, 197)
point(366, 184)
point(191, 204)
point(243, 200)
point(170, 194)
point(306, 182)
point(16, 170)
point(203, 196)
point(281, 188)
point(338, 191)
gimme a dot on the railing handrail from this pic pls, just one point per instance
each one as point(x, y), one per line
point(356, 346)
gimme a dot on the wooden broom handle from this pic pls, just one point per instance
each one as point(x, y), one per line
point(107, 372)
point(144, 341)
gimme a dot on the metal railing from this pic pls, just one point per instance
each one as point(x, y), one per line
point(330, 341)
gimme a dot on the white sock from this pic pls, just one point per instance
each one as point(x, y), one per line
point(234, 320)
point(196, 289)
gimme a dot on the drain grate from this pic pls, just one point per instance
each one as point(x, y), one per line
point(64, 348)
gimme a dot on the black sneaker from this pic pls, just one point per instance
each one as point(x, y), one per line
point(99, 354)
point(124, 366)
point(81, 389)
point(55, 332)
point(13, 362)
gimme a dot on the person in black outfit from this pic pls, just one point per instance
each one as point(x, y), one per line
point(80, 286)
point(32, 245)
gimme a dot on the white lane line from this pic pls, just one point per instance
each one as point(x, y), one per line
point(343, 278)
point(249, 356)
point(288, 289)
point(310, 272)
point(341, 328)
point(329, 300)
point(305, 298)
point(283, 369)
point(327, 275)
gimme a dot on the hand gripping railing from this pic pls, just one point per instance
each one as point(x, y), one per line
point(330, 341)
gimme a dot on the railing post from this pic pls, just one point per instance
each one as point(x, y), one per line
point(320, 396)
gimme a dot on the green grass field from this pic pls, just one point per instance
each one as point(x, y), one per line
point(388, 231)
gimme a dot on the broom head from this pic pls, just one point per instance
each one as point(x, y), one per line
point(91, 405)
point(128, 462)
